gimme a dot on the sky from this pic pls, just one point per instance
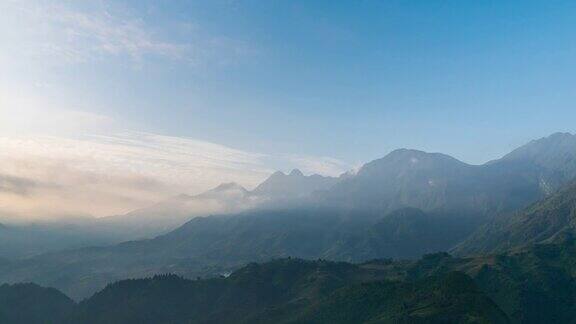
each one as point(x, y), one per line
point(106, 106)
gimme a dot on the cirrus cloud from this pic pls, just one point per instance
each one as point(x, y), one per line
point(63, 32)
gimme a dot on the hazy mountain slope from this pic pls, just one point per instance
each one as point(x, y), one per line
point(212, 245)
point(406, 233)
point(277, 190)
point(548, 220)
point(167, 215)
point(529, 286)
point(19, 241)
point(32, 304)
point(204, 246)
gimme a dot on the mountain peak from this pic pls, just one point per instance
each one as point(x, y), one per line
point(296, 173)
point(229, 186)
point(412, 153)
point(294, 184)
point(223, 189)
point(556, 139)
point(403, 159)
point(556, 152)
point(404, 151)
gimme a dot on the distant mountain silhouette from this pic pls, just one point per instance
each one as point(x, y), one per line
point(432, 182)
point(403, 178)
point(173, 212)
point(293, 185)
point(277, 190)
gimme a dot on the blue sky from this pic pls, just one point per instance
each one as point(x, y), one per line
point(320, 85)
point(356, 79)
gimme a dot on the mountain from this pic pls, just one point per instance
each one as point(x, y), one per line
point(277, 190)
point(292, 185)
point(32, 304)
point(208, 246)
point(203, 246)
point(167, 215)
point(549, 220)
point(403, 178)
point(433, 181)
point(404, 205)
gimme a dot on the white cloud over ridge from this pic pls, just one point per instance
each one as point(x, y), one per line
point(105, 175)
point(49, 176)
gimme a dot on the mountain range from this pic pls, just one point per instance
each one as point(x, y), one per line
point(404, 205)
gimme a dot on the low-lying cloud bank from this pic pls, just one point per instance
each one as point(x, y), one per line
point(50, 177)
point(103, 175)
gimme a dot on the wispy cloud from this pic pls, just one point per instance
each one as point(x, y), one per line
point(106, 175)
point(47, 176)
point(62, 32)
